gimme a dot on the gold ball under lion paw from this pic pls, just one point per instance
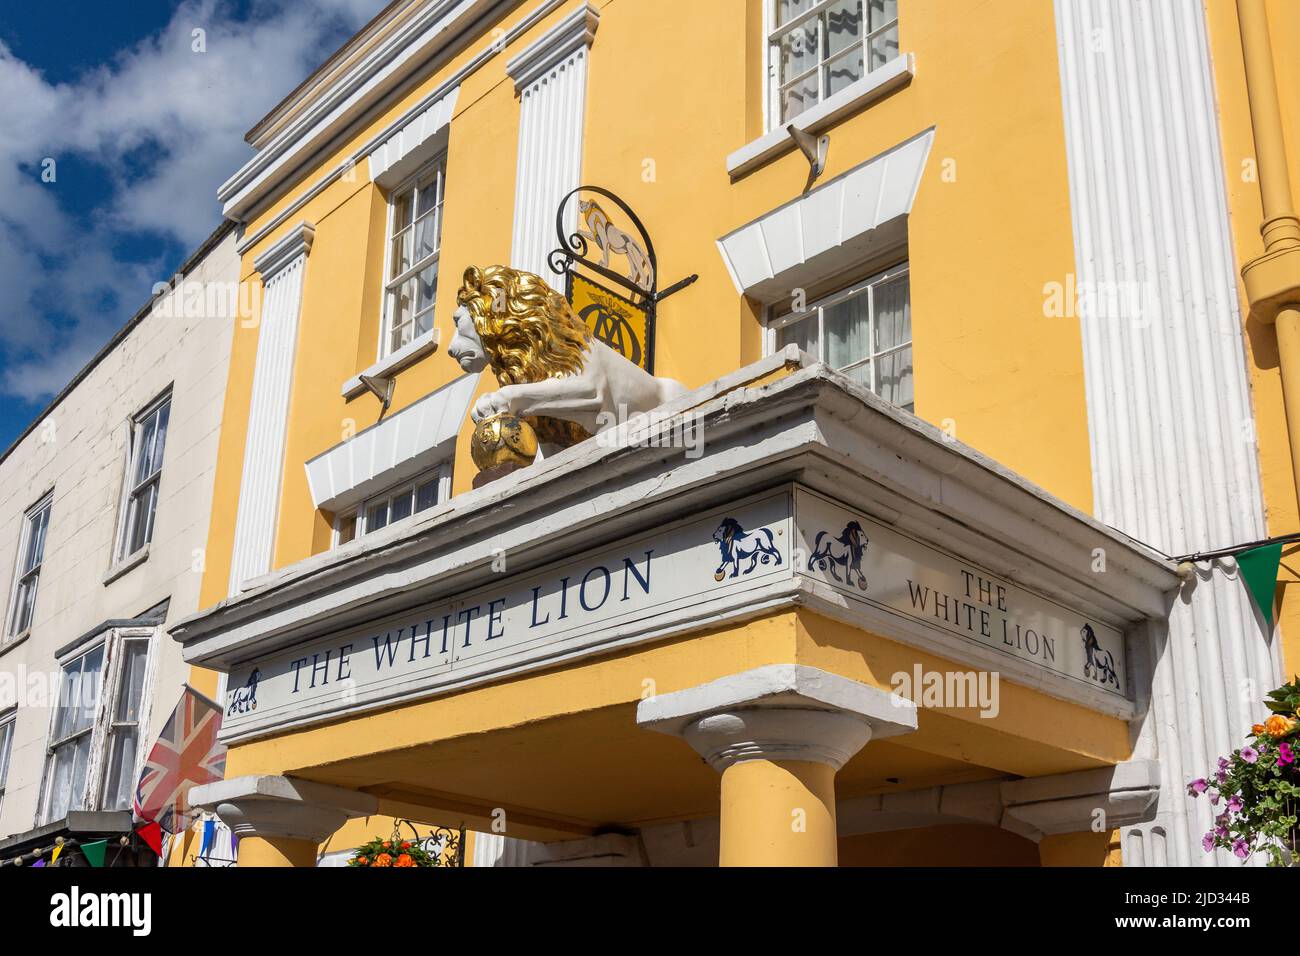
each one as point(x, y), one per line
point(503, 440)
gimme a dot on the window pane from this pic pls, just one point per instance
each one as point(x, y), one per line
point(140, 518)
point(798, 97)
point(843, 25)
point(143, 449)
point(860, 373)
point(895, 377)
point(402, 211)
point(6, 742)
point(400, 254)
point(426, 496)
point(798, 51)
point(347, 528)
point(882, 12)
point(121, 768)
point(24, 603)
point(160, 437)
point(884, 47)
point(847, 331)
point(37, 523)
point(788, 9)
point(426, 239)
point(377, 517)
point(60, 781)
point(802, 333)
point(401, 507)
point(134, 655)
point(844, 70)
point(893, 314)
point(427, 287)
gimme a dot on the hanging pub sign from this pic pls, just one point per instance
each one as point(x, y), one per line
point(617, 293)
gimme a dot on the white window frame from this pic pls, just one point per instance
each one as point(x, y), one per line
point(773, 322)
point(8, 727)
point(440, 473)
point(91, 796)
point(438, 167)
point(132, 491)
point(772, 55)
point(20, 577)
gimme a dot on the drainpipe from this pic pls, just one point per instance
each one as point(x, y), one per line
point(1273, 279)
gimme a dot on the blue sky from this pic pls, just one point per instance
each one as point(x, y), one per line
point(142, 128)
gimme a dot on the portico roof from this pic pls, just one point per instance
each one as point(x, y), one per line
point(777, 421)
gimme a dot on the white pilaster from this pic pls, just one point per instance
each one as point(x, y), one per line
point(551, 79)
point(282, 268)
point(1173, 448)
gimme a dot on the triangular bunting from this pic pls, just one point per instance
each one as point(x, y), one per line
point(151, 833)
point(38, 863)
point(55, 857)
point(94, 852)
point(1259, 572)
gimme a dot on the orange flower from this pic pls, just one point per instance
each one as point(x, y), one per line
point(1257, 729)
point(404, 860)
point(387, 844)
point(1279, 726)
point(383, 860)
point(363, 861)
point(406, 845)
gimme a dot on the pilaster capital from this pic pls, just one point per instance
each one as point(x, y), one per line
point(778, 712)
point(1070, 802)
point(296, 242)
point(266, 805)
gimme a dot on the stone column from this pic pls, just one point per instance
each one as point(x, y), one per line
point(778, 735)
point(281, 821)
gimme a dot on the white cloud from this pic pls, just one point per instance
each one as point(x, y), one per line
point(165, 124)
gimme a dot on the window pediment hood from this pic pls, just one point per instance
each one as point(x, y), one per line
point(829, 229)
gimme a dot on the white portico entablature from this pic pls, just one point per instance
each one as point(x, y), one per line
point(742, 500)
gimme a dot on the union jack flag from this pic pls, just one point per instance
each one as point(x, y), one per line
point(186, 755)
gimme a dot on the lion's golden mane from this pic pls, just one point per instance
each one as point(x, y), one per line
point(529, 332)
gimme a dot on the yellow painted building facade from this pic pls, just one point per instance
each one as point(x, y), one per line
point(1028, 232)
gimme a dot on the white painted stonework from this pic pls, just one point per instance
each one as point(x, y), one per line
point(1174, 462)
point(841, 223)
point(398, 447)
point(550, 76)
point(686, 543)
point(282, 268)
point(78, 449)
point(884, 571)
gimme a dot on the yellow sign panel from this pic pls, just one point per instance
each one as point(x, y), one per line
point(620, 324)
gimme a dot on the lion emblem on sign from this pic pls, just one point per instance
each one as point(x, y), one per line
point(844, 552)
point(737, 545)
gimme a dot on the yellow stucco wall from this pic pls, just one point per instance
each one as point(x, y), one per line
point(984, 351)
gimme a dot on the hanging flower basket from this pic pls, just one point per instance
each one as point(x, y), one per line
point(392, 852)
point(1255, 791)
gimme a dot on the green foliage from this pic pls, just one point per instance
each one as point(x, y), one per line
point(392, 851)
point(1255, 791)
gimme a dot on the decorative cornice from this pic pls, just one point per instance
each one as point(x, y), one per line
point(575, 31)
point(295, 243)
point(267, 805)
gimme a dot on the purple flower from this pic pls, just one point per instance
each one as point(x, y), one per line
point(1223, 764)
point(1249, 754)
point(1222, 819)
point(1207, 842)
point(1240, 849)
point(1221, 832)
point(1197, 786)
point(1220, 778)
point(1284, 754)
point(1214, 798)
point(1235, 804)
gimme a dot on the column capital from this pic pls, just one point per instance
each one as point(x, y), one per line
point(296, 242)
point(778, 712)
point(266, 805)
